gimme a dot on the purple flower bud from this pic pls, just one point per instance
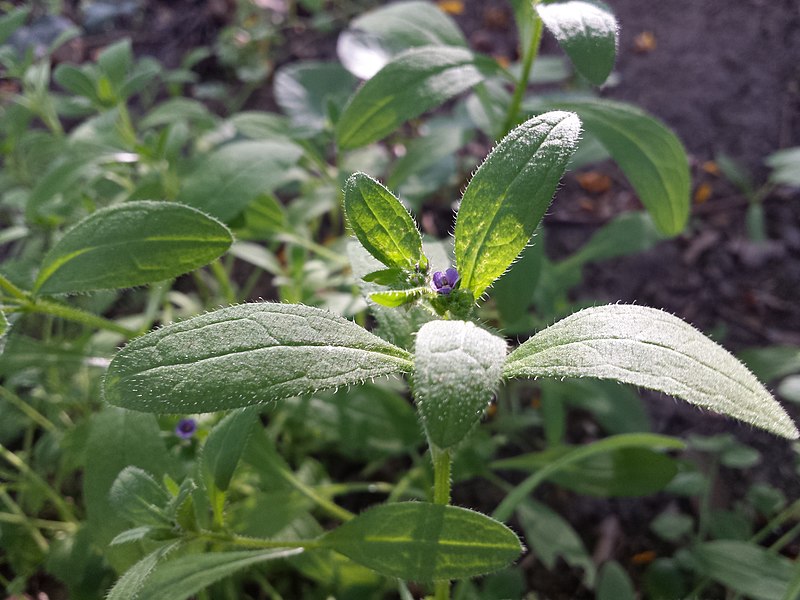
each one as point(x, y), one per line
point(445, 282)
point(186, 428)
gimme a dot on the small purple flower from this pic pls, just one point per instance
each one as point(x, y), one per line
point(186, 428)
point(445, 282)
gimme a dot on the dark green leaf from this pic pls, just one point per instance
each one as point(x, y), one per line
point(587, 32)
point(131, 244)
point(412, 83)
point(652, 157)
point(225, 444)
point(244, 355)
point(75, 81)
point(457, 368)
point(12, 21)
point(229, 178)
point(652, 349)
point(382, 224)
point(513, 292)
point(509, 195)
point(769, 364)
point(425, 542)
point(116, 60)
point(746, 568)
point(613, 583)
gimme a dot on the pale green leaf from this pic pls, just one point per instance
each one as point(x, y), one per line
point(785, 165)
point(587, 31)
point(381, 223)
point(395, 298)
point(225, 181)
point(651, 156)
point(186, 575)
point(244, 355)
point(652, 349)
point(746, 568)
point(412, 83)
point(424, 542)
point(131, 244)
point(509, 195)
point(128, 587)
point(457, 368)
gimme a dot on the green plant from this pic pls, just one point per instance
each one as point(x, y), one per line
point(254, 353)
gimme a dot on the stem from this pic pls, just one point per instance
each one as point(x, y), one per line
point(442, 461)
point(17, 519)
point(791, 511)
point(522, 84)
point(77, 315)
point(25, 408)
point(64, 511)
point(315, 247)
point(249, 542)
point(224, 280)
point(12, 289)
point(331, 508)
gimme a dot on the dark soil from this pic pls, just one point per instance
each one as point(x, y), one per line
point(726, 77)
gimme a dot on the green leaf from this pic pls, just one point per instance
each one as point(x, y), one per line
point(3, 327)
point(180, 578)
point(374, 37)
point(382, 224)
point(128, 587)
point(395, 298)
point(651, 156)
point(131, 244)
point(651, 349)
point(244, 355)
point(75, 81)
point(550, 536)
point(12, 21)
point(774, 362)
point(509, 195)
point(425, 542)
point(513, 292)
point(457, 368)
point(746, 568)
point(225, 181)
point(225, 444)
point(138, 497)
point(587, 31)
point(412, 83)
point(631, 471)
point(304, 91)
point(116, 60)
point(785, 165)
point(613, 583)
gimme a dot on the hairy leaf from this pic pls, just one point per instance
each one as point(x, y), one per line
point(652, 349)
point(587, 31)
point(425, 542)
point(225, 444)
point(128, 587)
point(509, 195)
point(457, 367)
point(138, 497)
point(131, 244)
point(244, 355)
point(381, 223)
point(412, 83)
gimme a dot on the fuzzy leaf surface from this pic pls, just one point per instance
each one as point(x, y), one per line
point(457, 368)
point(381, 223)
point(138, 497)
point(225, 444)
point(131, 244)
point(509, 195)
point(651, 156)
point(413, 82)
point(652, 349)
point(245, 355)
point(418, 541)
point(587, 31)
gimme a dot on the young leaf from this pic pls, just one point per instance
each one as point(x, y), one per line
point(425, 542)
point(395, 298)
point(182, 577)
point(509, 195)
point(412, 83)
point(651, 156)
point(128, 587)
point(138, 497)
point(131, 244)
point(457, 367)
point(652, 349)
point(587, 31)
point(225, 181)
point(244, 355)
point(225, 444)
point(381, 223)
